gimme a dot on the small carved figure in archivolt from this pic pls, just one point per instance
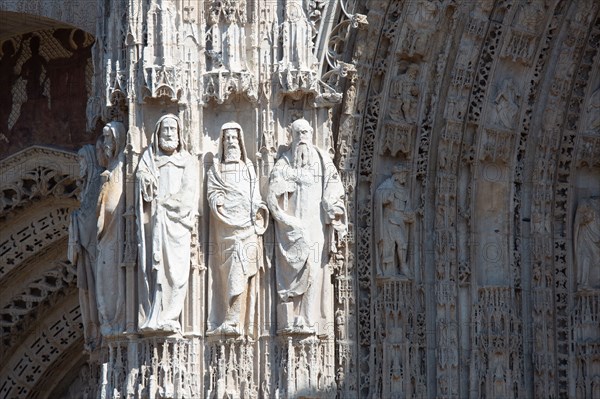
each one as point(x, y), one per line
point(406, 89)
point(587, 244)
point(238, 219)
point(593, 112)
point(507, 106)
point(167, 181)
point(395, 216)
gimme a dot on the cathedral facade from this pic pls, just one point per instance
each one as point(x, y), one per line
point(300, 199)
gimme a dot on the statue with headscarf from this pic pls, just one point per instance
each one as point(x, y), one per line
point(167, 203)
point(110, 277)
point(238, 219)
point(83, 243)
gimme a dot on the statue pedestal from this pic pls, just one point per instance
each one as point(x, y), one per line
point(151, 367)
point(306, 366)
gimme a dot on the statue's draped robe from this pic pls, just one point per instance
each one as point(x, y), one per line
point(167, 202)
point(587, 244)
point(110, 278)
point(392, 232)
point(306, 198)
point(82, 250)
point(235, 250)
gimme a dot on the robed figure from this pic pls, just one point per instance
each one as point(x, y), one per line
point(237, 220)
point(110, 276)
point(305, 198)
point(167, 181)
point(587, 244)
point(394, 217)
point(83, 244)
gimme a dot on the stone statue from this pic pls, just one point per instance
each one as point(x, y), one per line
point(296, 38)
point(238, 218)
point(593, 111)
point(586, 241)
point(110, 278)
point(305, 197)
point(394, 216)
point(406, 89)
point(83, 244)
point(507, 106)
point(167, 181)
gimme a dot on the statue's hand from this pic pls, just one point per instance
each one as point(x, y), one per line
point(171, 204)
point(149, 186)
point(261, 220)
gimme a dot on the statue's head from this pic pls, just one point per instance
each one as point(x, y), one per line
point(400, 174)
point(113, 139)
point(88, 167)
point(232, 143)
point(167, 134)
point(83, 162)
point(302, 132)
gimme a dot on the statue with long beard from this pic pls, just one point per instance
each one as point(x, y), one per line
point(306, 199)
point(167, 179)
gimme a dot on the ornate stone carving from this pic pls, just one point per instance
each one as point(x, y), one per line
point(497, 146)
point(23, 242)
point(238, 218)
point(519, 46)
point(41, 291)
point(227, 70)
point(166, 187)
point(25, 369)
point(496, 124)
point(397, 139)
point(305, 197)
point(35, 174)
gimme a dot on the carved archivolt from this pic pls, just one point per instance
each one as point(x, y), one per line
point(53, 336)
point(39, 292)
point(35, 174)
